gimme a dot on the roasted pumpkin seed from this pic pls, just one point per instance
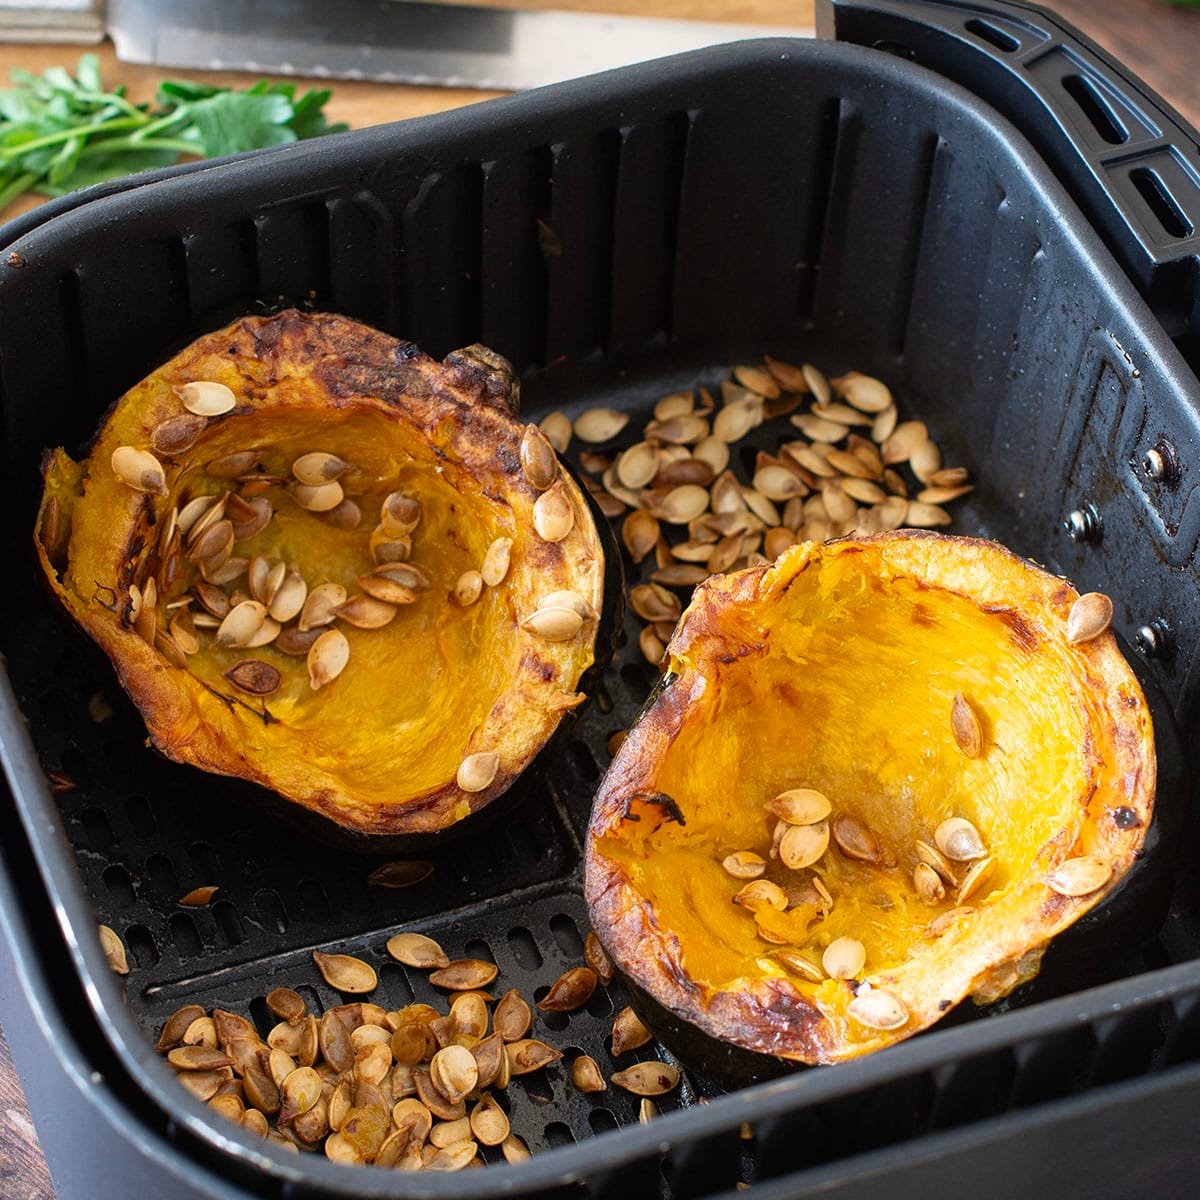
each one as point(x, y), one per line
point(206, 397)
point(600, 424)
point(1079, 876)
point(803, 845)
point(327, 658)
point(465, 974)
point(557, 428)
point(477, 771)
point(597, 958)
point(762, 893)
point(365, 612)
point(255, 677)
point(529, 1055)
point(964, 724)
point(744, 864)
point(959, 840)
point(928, 884)
point(139, 470)
point(878, 1009)
point(585, 1075)
point(629, 1032)
point(345, 973)
point(794, 961)
point(553, 514)
point(553, 624)
point(1090, 616)
point(855, 839)
point(844, 958)
point(417, 950)
point(114, 950)
point(800, 806)
point(467, 589)
point(648, 1078)
point(571, 990)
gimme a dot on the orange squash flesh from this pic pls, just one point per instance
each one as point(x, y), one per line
point(378, 748)
point(836, 669)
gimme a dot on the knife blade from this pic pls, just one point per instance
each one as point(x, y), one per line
point(396, 41)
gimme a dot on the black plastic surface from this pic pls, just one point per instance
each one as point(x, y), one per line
point(809, 200)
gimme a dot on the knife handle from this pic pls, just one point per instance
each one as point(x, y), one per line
point(1127, 157)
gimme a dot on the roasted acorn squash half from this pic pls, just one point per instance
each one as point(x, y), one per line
point(325, 563)
point(879, 776)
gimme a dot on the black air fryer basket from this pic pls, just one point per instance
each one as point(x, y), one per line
point(973, 203)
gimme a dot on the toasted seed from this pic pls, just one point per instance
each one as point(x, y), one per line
point(1079, 876)
point(648, 1078)
point(553, 514)
point(490, 1059)
point(538, 460)
point(803, 845)
point(254, 677)
point(600, 424)
point(942, 495)
point(585, 1075)
point(416, 950)
point(682, 430)
point(346, 973)
point(761, 507)
point(296, 642)
point(467, 589)
point(651, 645)
point(198, 897)
point(231, 1107)
point(465, 974)
point(205, 398)
point(928, 884)
point(320, 499)
point(193, 510)
point(553, 624)
point(925, 459)
point(682, 471)
point(258, 578)
point(694, 551)
point(211, 547)
point(941, 923)
point(761, 893)
point(818, 429)
point(380, 587)
point(800, 806)
point(114, 950)
point(489, 1122)
point(446, 1133)
point(795, 962)
point(679, 575)
point(878, 1009)
point(232, 465)
point(714, 452)
point(776, 541)
point(477, 771)
point(677, 404)
point(412, 1043)
point(176, 1025)
point(318, 467)
point(959, 840)
point(640, 533)
point(512, 1017)
point(937, 861)
point(289, 597)
point(571, 990)
point(453, 1157)
point(198, 1058)
point(327, 658)
point(844, 958)
point(319, 606)
point(964, 723)
point(241, 623)
point(204, 1084)
point(638, 465)
point(863, 490)
point(975, 880)
point(176, 434)
point(399, 514)
point(529, 1055)
point(904, 439)
point(597, 958)
point(565, 598)
point(287, 1005)
point(855, 839)
point(299, 1090)
point(385, 549)
point(652, 602)
point(883, 425)
point(140, 470)
point(365, 612)
point(454, 1072)
point(1090, 616)
point(778, 483)
point(926, 516)
point(496, 561)
point(347, 515)
point(736, 419)
point(557, 428)
point(865, 393)
point(628, 1032)
point(182, 629)
point(514, 1149)
point(744, 864)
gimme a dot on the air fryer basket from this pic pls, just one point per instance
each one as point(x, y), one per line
point(814, 201)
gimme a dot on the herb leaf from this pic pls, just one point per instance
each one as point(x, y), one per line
point(60, 131)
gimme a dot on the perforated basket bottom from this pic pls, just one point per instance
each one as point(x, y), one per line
point(146, 831)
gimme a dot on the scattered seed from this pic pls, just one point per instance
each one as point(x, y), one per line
point(529, 1055)
point(467, 589)
point(198, 1058)
point(538, 460)
point(1079, 876)
point(975, 880)
point(319, 606)
point(399, 514)
point(557, 428)
point(937, 861)
point(1090, 616)
point(865, 393)
point(381, 587)
point(465, 974)
point(597, 958)
point(652, 602)
point(327, 658)
point(928, 884)
point(417, 950)
point(844, 958)
point(513, 1149)
point(640, 533)
point(287, 1005)
point(629, 1032)
point(761, 893)
point(453, 1157)
point(233, 465)
point(878, 1009)
point(600, 424)
point(206, 398)
point(553, 624)
point(255, 677)
point(198, 897)
point(926, 516)
point(176, 1025)
point(585, 1075)
point(795, 962)
point(925, 459)
point(803, 845)
point(964, 723)
point(496, 561)
point(855, 839)
point(736, 419)
point(365, 612)
point(565, 598)
point(800, 806)
point(571, 990)
point(638, 465)
point(346, 973)
point(389, 550)
point(319, 467)
point(241, 623)
point(648, 1078)
point(744, 864)
point(941, 923)
point(289, 597)
point(959, 840)
point(553, 514)
point(321, 499)
point(678, 431)
point(512, 1017)
point(140, 470)
point(477, 771)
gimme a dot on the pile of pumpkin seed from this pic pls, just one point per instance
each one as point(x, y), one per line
point(826, 480)
point(413, 1089)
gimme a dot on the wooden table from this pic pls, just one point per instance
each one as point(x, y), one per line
point(1160, 43)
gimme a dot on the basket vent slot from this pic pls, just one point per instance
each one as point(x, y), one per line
point(1097, 110)
point(1162, 204)
point(993, 36)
